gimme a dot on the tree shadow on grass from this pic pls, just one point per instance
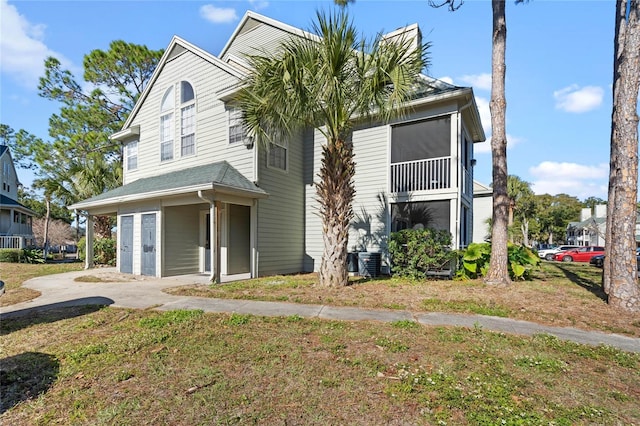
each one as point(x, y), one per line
point(26, 376)
point(591, 285)
point(17, 320)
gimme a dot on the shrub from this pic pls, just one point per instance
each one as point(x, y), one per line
point(475, 261)
point(104, 251)
point(10, 255)
point(417, 253)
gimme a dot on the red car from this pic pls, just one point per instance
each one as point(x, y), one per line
point(582, 254)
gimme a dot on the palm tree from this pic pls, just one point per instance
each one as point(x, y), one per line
point(326, 81)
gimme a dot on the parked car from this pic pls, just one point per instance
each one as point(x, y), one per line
point(548, 254)
point(582, 254)
point(598, 261)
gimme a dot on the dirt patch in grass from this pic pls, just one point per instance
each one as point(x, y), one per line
point(560, 295)
point(113, 366)
point(108, 277)
point(14, 274)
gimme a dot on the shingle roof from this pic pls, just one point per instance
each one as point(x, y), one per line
point(10, 202)
point(220, 174)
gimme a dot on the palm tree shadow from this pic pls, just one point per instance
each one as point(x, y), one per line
point(26, 376)
point(590, 285)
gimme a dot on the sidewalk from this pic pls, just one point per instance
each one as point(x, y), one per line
point(143, 292)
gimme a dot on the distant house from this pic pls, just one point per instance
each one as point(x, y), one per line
point(482, 212)
point(15, 219)
point(590, 231)
point(199, 197)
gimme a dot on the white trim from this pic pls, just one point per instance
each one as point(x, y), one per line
point(126, 133)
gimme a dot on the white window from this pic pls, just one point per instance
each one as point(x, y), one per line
point(187, 120)
point(277, 156)
point(236, 128)
point(166, 125)
point(131, 155)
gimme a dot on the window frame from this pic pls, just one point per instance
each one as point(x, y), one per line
point(130, 154)
point(187, 105)
point(285, 147)
point(234, 119)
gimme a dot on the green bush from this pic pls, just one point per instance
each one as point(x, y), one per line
point(104, 251)
point(10, 255)
point(475, 261)
point(418, 253)
point(21, 256)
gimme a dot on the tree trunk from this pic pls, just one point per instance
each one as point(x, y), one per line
point(620, 277)
point(498, 271)
point(335, 195)
point(47, 218)
point(103, 226)
point(525, 231)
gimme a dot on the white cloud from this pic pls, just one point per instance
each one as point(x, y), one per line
point(575, 179)
point(218, 15)
point(485, 147)
point(22, 47)
point(478, 81)
point(577, 100)
point(259, 4)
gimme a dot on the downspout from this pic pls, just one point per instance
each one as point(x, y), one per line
point(214, 238)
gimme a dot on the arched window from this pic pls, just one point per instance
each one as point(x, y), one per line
point(187, 119)
point(166, 125)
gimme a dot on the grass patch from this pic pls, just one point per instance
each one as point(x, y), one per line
point(114, 366)
point(465, 306)
point(14, 274)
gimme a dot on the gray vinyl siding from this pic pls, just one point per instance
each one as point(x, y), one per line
point(211, 132)
point(371, 151)
point(181, 240)
point(281, 216)
point(256, 41)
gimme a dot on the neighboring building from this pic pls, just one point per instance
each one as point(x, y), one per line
point(15, 219)
point(199, 197)
point(482, 212)
point(590, 231)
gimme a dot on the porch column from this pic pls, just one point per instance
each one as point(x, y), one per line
point(88, 261)
point(213, 248)
point(217, 209)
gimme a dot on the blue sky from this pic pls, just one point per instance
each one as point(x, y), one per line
point(559, 65)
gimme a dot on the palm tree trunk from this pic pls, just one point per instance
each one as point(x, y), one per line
point(620, 277)
point(335, 195)
point(498, 271)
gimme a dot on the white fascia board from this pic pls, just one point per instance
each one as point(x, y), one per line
point(166, 193)
point(125, 133)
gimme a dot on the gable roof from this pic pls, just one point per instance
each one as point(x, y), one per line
point(3, 148)
point(252, 19)
point(220, 176)
point(176, 47)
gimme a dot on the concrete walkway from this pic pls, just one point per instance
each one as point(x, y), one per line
point(144, 292)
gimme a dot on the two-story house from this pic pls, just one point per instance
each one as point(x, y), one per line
point(199, 197)
point(15, 219)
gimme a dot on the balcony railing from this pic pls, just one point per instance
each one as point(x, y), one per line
point(421, 175)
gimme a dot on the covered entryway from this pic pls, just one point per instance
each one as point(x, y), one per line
point(238, 239)
point(195, 220)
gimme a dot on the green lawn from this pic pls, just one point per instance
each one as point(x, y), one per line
point(95, 365)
